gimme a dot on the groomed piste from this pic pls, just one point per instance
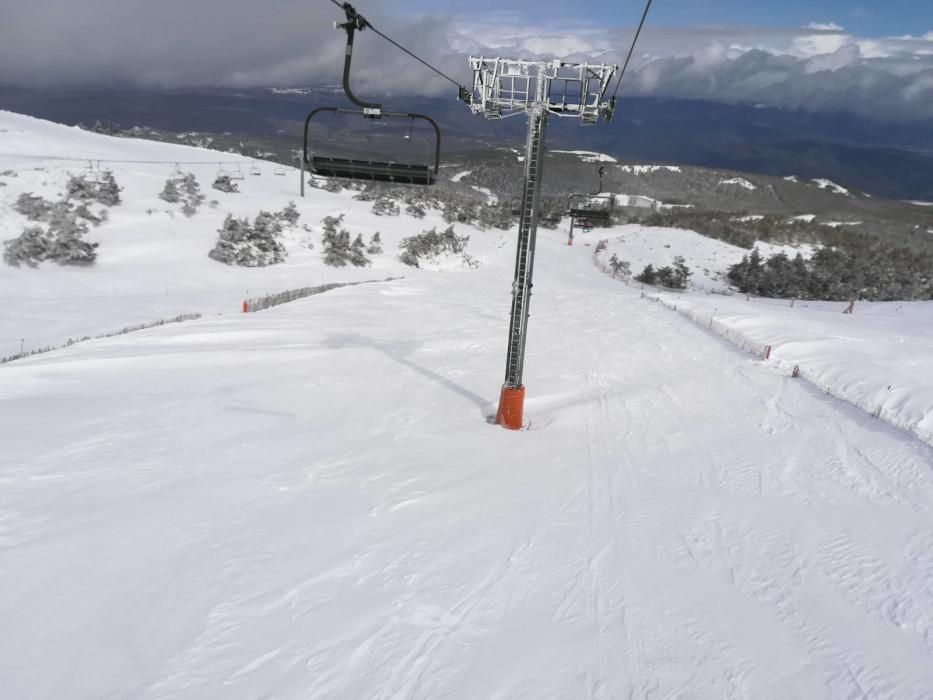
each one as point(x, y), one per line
point(311, 502)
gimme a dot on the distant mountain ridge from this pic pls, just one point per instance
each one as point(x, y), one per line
point(889, 159)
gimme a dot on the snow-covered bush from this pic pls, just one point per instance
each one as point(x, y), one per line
point(672, 277)
point(415, 209)
point(32, 207)
point(336, 246)
point(225, 184)
point(104, 189)
point(384, 206)
point(431, 244)
point(620, 269)
point(358, 252)
point(367, 193)
point(30, 248)
point(289, 214)
point(108, 192)
point(170, 192)
point(375, 244)
point(256, 245)
point(63, 242)
point(192, 195)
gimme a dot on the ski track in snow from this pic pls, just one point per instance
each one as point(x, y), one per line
point(679, 519)
point(309, 502)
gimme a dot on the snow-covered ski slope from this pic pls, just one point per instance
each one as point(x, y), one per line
point(152, 261)
point(309, 502)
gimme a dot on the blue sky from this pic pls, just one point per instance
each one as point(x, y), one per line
point(892, 17)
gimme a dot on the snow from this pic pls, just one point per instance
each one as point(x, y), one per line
point(830, 185)
point(920, 204)
point(806, 218)
point(460, 175)
point(153, 266)
point(791, 178)
point(309, 501)
point(491, 199)
point(708, 258)
point(740, 181)
point(590, 156)
point(877, 358)
point(749, 217)
point(648, 169)
point(837, 224)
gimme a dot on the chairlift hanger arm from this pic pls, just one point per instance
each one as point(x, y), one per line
point(356, 21)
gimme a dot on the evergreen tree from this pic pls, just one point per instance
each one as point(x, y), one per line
point(30, 247)
point(357, 255)
point(415, 209)
point(257, 245)
point(69, 247)
point(289, 214)
point(335, 242)
point(170, 192)
point(107, 191)
point(32, 207)
point(648, 275)
point(192, 195)
point(375, 245)
point(79, 188)
point(619, 268)
point(384, 206)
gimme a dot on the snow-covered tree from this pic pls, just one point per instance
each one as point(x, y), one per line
point(192, 195)
point(375, 244)
point(239, 243)
point(32, 207)
point(170, 192)
point(31, 247)
point(80, 188)
point(107, 191)
point(383, 206)
point(415, 209)
point(289, 214)
point(357, 255)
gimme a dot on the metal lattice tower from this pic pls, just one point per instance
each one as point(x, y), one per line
point(507, 87)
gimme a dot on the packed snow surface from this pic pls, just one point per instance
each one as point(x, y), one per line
point(880, 357)
point(648, 169)
point(310, 502)
point(709, 259)
point(460, 175)
point(740, 182)
point(824, 184)
point(590, 156)
point(152, 261)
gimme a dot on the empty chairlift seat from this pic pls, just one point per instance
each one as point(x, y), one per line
point(400, 155)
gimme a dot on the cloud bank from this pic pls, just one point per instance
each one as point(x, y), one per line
point(175, 43)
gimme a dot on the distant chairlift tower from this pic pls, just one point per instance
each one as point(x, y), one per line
point(503, 88)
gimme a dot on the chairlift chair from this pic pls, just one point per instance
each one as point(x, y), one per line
point(254, 170)
point(591, 209)
point(233, 173)
point(364, 167)
point(278, 170)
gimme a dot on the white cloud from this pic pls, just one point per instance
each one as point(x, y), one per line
point(292, 42)
point(824, 27)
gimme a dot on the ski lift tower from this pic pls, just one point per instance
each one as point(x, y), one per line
point(502, 88)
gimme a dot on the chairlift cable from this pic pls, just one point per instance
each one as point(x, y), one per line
point(631, 48)
point(365, 23)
